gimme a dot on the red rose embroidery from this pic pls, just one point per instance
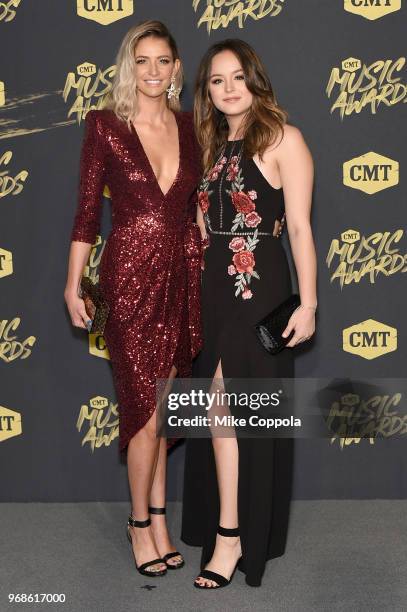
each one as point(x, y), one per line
point(203, 200)
point(242, 202)
point(233, 170)
point(237, 244)
point(214, 172)
point(244, 261)
point(252, 219)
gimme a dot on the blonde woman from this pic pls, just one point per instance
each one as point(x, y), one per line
point(143, 148)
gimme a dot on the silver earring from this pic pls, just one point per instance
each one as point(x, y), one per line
point(172, 91)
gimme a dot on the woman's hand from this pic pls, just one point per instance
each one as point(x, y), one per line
point(76, 307)
point(278, 226)
point(302, 321)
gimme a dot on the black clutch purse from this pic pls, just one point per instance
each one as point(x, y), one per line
point(270, 328)
point(96, 307)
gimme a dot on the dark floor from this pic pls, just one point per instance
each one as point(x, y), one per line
point(341, 555)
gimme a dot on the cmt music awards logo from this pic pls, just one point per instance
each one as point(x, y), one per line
point(7, 10)
point(361, 86)
point(372, 9)
point(99, 422)
point(220, 13)
point(97, 344)
point(2, 94)
point(369, 339)
point(10, 347)
point(10, 185)
point(353, 418)
point(10, 423)
point(88, 87)
point(355, 256)
point(104, 12)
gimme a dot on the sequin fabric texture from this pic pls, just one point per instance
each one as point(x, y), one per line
point(150, 270)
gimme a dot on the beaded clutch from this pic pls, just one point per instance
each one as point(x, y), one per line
point(96, 307)
point(270, 328)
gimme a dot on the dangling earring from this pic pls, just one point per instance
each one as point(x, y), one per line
point(172, 91)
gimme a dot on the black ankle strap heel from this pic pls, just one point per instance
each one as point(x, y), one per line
point(131, 522)
point(153, 510)
point(170, 555)
point(214, 576)
point(229, 533)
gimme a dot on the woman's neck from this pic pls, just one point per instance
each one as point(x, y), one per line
point(235, 127)
point(152, 111)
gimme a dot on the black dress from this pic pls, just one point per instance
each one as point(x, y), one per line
point(246, 274)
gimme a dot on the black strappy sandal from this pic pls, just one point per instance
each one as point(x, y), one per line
point(209, 575)
point(169, 555)
point(142, 568)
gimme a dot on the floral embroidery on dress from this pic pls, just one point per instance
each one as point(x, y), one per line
point(204, 192)
point(246, 216)
point(243, 260)
point(243, 263)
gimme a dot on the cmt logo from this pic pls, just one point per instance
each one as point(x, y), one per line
point(86, 69)
point(371, 9)
point(351, 64)
point(104, 12)
point(88, 86)
point(350, 236)
point(6, 263)
point(102, 419)
point(97, 346)
point(10, 423)
point(371, 173)
point(369, 339)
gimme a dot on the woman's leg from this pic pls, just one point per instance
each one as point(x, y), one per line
point(141, 460)
point(227, 549)
point(144, 457)
point(158, 497)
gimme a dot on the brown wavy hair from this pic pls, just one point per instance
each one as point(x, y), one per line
point(262, 123)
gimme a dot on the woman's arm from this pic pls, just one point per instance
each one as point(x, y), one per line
point(78, 256)
point(200, 221)
point(297, 174)
point(87, 218)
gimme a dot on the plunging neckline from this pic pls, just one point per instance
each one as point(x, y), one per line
point(150, 167)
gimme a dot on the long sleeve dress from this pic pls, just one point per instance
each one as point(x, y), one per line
point(150, 271)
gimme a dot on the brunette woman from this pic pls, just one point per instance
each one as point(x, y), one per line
point(143, 148)
point(258, 175)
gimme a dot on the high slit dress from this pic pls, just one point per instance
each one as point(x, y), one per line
point(150, 269)
point(246, 275)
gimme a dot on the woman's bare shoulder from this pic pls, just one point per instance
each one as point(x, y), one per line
point(291, 137)
point(290, 141)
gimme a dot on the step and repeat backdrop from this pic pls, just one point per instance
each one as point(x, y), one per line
point(339, 68)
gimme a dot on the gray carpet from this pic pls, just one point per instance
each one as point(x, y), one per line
point(341, 555)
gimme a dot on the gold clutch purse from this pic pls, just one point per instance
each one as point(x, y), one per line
point(96, 307)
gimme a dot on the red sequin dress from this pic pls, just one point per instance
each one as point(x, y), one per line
point(150, 268)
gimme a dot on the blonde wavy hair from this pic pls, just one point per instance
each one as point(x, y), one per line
point(264, 120)
point(122, 98)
